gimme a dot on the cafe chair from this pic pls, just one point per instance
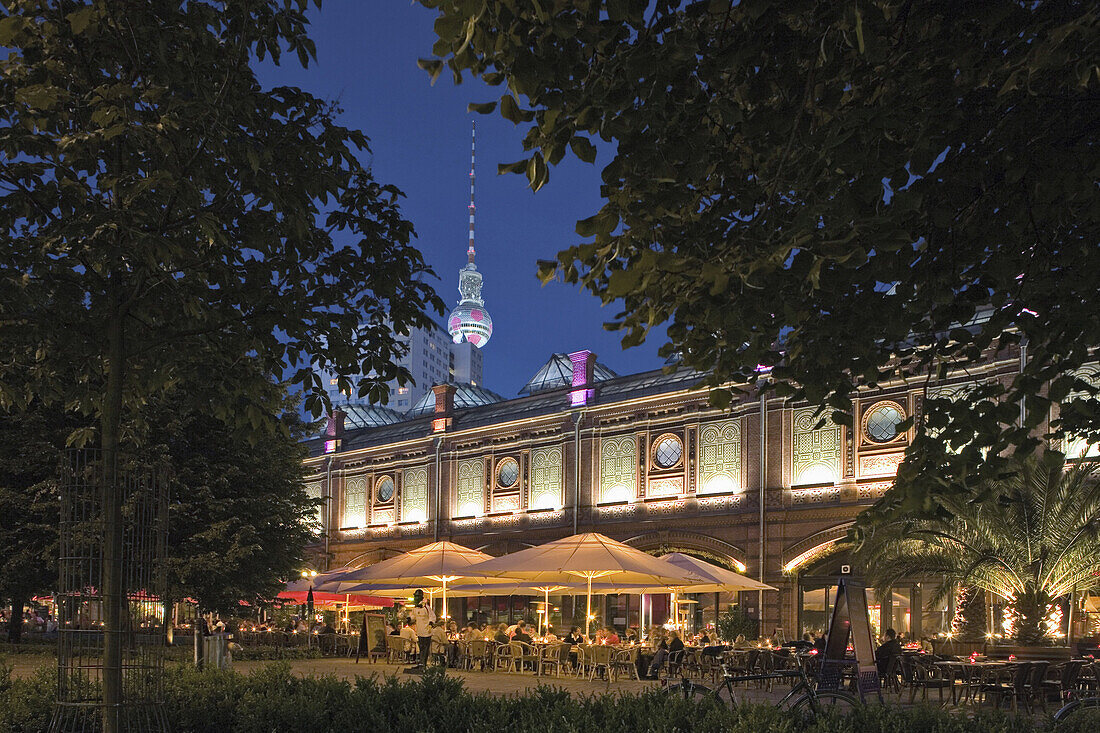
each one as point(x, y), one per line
point(601, 660)
point(1007, 683)
point(522, 654)
point(477, 652)
point(891, 678)
point(675, 664)
point(396, 647)
point(924, 677)
point(1065, 683)
point(553, 657)
point(625, 660)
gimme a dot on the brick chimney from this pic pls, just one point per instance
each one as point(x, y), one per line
point(584, 363)
point(444, 406)
point(334, 430)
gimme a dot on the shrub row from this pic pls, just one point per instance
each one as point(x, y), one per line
point(272, 698)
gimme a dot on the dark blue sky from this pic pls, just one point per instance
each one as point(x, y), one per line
point(420, 138)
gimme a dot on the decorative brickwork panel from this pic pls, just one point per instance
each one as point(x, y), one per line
point(470, 489)
point(720, 457)
point(316, 521)
point(414, 496)
point(815, 453)
point(665, 487)
point(618, 469)
point(506, 503)
point(546, 467)
point(355, 502)
point(883, 464)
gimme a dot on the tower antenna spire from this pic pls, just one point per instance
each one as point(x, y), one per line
point(473, 140)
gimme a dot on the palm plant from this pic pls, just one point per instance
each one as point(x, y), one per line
point(1030, 537)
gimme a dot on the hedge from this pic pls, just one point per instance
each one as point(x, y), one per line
point(274, 699)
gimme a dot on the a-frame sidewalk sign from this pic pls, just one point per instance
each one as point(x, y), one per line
point(850, 622)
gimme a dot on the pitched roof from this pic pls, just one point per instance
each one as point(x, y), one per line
point(558, 373)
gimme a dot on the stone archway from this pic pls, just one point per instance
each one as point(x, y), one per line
point(814, 547)
point(690, 543)
point(372, 556)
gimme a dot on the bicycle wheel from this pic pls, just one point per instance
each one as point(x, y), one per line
point(689, 690)
point(826, 702)
point(1067, 710)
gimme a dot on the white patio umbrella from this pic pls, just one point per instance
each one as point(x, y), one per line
point(586, 556)
point(438, 563)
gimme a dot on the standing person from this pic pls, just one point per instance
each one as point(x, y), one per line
point(422, 617)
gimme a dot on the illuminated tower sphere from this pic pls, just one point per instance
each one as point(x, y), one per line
point(469, 321)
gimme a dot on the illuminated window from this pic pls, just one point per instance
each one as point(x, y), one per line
point(546, 478)
point(414, 495)
point(384, 492)
point(470, 491)
point(720, 457)
point(667, 451)
point(507, 473)
point(402, 390)
point(816, 450)
point(881, 421)
point(618, 469)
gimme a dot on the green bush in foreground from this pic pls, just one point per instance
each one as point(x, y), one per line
point(274, 699)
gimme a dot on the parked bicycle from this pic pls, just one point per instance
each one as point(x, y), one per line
point(804, 697)
point(1072, 707)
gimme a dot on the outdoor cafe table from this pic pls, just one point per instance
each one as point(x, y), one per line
point(968, 673)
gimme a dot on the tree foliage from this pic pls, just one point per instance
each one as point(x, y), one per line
point(157, 200)
point(238, 511)
point(845, 193)
point(165, 217)
point(30, 447)
point(1030, 538)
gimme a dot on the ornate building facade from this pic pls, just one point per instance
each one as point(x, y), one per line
point(764, 486)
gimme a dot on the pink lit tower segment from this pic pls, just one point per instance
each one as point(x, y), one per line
point(469, 321)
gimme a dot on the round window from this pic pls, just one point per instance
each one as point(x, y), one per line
point(667, 451)
point(385, 490)
point(881, 421)
point(507, 473)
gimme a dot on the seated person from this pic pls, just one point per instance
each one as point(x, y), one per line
point(665, 650)
point(631, 635)
point(574, 636)
point(610, 637)
point(502, 634)
point(886, 653)
point(408, 632)
point(521, 633)
point(439, 643)
point(801, 645)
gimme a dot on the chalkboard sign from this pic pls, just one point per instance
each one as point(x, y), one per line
point(376, 631)
point(850, 622)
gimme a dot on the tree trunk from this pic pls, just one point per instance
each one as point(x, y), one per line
point(1031, 609)
point(169, 630)
point(15, 623)
point(111, 500)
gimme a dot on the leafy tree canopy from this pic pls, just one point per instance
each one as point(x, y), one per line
point(158, 203)
point(239, 516)
point(845, 193)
